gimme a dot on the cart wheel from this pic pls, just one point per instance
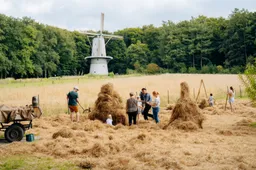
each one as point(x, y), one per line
point(14, 133)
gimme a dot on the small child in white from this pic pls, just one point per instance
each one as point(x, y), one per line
point(109, 120)
point(211, 100)
point(139, 107)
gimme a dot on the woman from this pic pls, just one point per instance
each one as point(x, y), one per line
point(231, 98)
point(132, 109)
point(156, 106)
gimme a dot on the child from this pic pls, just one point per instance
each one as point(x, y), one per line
point(109, 120)
point(139, 107)
point(211, 100)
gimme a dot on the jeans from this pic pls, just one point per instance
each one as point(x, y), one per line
point(155, 113)
point(145, 112)
point(132, 117)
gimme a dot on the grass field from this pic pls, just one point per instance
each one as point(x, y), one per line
point(226, 142)
point(53, 92)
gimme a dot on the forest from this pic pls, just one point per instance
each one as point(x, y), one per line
point(29, 49)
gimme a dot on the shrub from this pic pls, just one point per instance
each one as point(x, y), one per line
point(236, 70)
point(205, 69)
point(111, 74)
point(192, 70)
point(153, 68)
point(249, 81)
point(219, 69)
point(130, 71)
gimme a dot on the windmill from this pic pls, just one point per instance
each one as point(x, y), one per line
point(99, 59)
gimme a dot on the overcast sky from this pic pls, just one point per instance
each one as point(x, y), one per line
point(119, 14)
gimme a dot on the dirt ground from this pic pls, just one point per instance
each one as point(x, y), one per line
point(226, 142)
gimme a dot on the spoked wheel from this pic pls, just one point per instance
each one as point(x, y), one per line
point(14, 133)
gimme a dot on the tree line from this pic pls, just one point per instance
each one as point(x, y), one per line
point(199, 45)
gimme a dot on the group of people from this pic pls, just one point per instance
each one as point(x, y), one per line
point(137, 105)
point(231, 98)
point(141, 105)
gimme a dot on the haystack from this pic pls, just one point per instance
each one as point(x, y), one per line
point(186, 111)
point(109, 102)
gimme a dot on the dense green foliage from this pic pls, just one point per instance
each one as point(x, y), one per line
point(200, 45)
point(249, 81)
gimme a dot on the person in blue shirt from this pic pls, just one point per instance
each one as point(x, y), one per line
point(146, 100)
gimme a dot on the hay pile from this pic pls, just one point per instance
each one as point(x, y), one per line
point(186, 114)
point(109, 102)
point(203, 104)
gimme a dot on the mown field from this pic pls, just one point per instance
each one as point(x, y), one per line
point(227, 140)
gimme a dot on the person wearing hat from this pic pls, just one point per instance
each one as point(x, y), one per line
point(146, 100)
point(132, 109)
point(72, 98)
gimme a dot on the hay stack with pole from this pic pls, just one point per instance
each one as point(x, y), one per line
point(109, 102)
point(186, 114)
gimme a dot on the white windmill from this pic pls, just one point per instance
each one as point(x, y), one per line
point(99, 59)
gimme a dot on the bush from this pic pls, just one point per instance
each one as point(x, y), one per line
point(130, 71)
point(219, 69)
point(153, 68)
point(205, 69)
point(249, 81)
point(236, 70)
point(192, 70)
point(111, 74)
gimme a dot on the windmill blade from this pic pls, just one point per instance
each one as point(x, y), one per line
point(102, 23)
point(112, 36)
point(89, 33)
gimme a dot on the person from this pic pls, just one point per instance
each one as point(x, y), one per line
point(146, 100)
point(231, 98)
point(139, 107)
point(109, 120)
point(132, 109)
point(72, 98)
point(142, 99)
point(156, 106)
point(211, 100)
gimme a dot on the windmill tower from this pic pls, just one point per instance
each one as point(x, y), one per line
point(99, 59)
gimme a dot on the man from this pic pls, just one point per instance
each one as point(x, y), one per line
point(146, 100)
point(72, 98)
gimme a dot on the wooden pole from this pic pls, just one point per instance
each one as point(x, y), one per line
point(199, 91)
point(194, 93)
point(226, 99)
point(204, 89)
point(168, 94)
point(240, 92)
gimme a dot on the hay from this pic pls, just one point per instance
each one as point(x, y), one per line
point(203, 104)
point(109, 102)
point(65, 133)
point(169, 107)
point(186, 110)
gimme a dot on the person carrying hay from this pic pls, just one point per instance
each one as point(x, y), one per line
point(72, 98)
point(132, 109)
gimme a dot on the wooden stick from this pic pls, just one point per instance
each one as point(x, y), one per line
point(226, 99)
point(204, 89)
point(194, 95)
point(240, 92)
point(168, 94)
point(199, 91)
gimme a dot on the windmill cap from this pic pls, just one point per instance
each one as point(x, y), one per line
point(76, 87)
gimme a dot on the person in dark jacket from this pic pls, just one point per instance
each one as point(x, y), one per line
point(132, 109)
point(146, 100)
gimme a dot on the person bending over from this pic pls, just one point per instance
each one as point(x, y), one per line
point(72, 98)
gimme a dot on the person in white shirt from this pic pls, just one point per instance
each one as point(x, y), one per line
point(109, 120)
point(156, 106)
point(231, 98)
point(211, 100)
